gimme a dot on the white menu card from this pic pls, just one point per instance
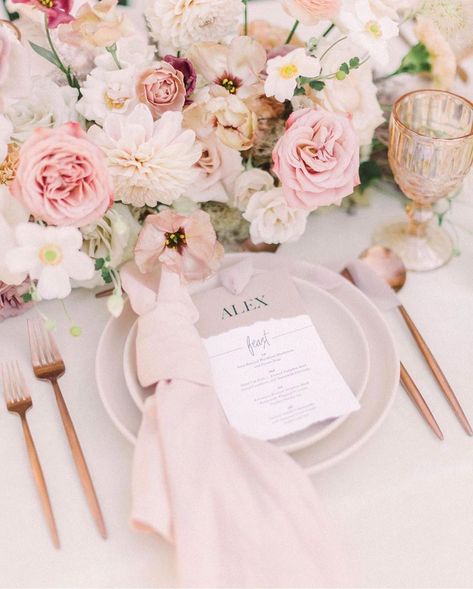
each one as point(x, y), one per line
point(271, 370)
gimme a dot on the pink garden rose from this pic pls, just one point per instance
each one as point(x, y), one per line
point(317, 158)
point(62, 177)
point(161, 88)
point(185, 245)
point(57, 11)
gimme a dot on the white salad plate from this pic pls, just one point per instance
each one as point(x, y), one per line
point(341, 334)
point(346, 434)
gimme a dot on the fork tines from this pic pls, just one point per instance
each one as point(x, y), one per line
point(43, 347)
point(15, 390)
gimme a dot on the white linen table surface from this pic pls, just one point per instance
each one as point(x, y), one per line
point(402, 502)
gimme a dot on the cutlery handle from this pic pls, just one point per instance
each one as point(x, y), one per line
point(40, 482)
point(417, 398)
point(436, 371)
point(79, 460)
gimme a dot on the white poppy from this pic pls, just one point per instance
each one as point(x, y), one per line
point(283, 72)
point(50, 255)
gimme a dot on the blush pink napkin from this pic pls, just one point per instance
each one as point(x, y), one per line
point(239, 511)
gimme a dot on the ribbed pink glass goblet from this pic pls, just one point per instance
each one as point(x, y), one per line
point(430, 152)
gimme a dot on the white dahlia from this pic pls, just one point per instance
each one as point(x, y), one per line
point(149, 161)
point(178, 24)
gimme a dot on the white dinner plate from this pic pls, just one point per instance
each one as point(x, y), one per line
point(377, 399)
point(338, 329)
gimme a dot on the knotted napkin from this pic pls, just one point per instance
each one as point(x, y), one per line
point(239, 511)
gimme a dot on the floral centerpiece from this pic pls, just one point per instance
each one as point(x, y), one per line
point(147, 132)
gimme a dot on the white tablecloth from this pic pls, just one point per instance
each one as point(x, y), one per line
point(402, 503)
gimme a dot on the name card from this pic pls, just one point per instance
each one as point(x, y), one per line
point(271, 370)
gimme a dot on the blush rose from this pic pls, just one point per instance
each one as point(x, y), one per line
point(161, 88)
point(317, 158)
point(62, 177)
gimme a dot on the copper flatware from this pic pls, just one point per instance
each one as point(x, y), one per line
point(49, 365)
point(409, 385)
point(19, 401)
point(389, 266)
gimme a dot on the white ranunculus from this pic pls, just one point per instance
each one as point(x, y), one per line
point(150, 161)
point(11, 214)
point(48, 105)
point(178, 24)
point(247, 183)
point(355, 95)
point(113, 236)
point(106, 92)
point(272, 220)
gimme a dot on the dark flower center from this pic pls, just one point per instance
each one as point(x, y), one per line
point(176, 240)
point(229, 82)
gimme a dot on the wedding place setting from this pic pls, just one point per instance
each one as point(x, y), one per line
point(236, 285)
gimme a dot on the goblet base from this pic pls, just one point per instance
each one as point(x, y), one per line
point(419, 254)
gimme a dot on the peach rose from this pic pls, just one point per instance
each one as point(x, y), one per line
point(98, 25)
point(62, 177)
point(310, 12)
point(317, 158)
point(161, 88)
point(185, 245)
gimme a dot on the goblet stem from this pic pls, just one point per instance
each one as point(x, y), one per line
point(419, 218)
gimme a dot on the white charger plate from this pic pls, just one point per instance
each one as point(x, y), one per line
point(377, 399)
point(338, 329)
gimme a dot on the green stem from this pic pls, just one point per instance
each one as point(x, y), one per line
point(53, 49)
point(71, 79)
point(328, 30)
point(331, 47)
point(293, 30)
point(245, 21)
point(112, 49)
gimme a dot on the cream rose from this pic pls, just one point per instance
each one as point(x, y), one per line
point(235, 124)
point(272, 220)
point(247, 183)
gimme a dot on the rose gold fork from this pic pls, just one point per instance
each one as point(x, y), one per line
point(19, 401)
point(48, 365)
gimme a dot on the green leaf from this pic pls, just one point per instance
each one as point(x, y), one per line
point(354, 63)
point(416, 60)
point(344, 68)
point(299, 91)
point(369, 171)
point(99, 263)
point(46, 53)
point(27, 297)
point(301, 80)
point(317, 85)
point(106, 275)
